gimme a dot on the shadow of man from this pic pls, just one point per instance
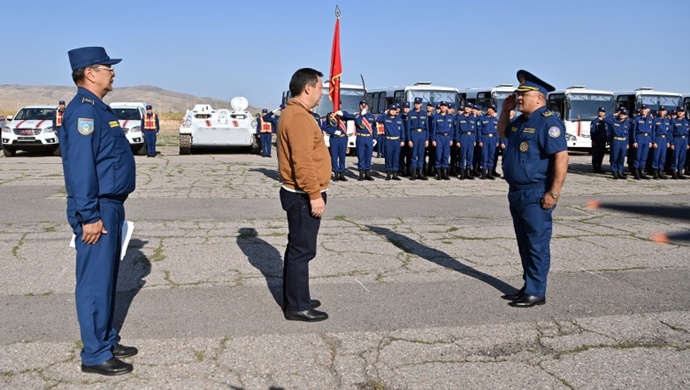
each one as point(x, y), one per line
point(269, 173)
point(264, 257)
point(130, 279)
point(441, 258)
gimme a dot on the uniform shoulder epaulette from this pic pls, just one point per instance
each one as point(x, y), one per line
point(547, 114)
point(85, 100)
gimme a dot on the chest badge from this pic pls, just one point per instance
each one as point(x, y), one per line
point(524, 146)
point(85, 126)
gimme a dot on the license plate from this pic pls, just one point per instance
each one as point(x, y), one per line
point(26, 139)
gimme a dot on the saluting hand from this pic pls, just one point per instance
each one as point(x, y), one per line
point(509, 103)
point(91, 232)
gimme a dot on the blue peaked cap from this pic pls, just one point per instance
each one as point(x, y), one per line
point(530, 82)
point(87, 56)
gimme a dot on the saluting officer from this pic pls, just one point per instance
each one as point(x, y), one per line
point(618, 128)
point(151, 127)
point(99, 171)
point(466, 139)
point(58, 116)
point(598, 131)
point(642, 134)
point(442, 138)
point(661, 143)
point(679, 147)
point(364, 122)
point(488, 142)
point(266, 126)
point(337, 132)
point(536, 163)
point(395, 139)
point(418, 139)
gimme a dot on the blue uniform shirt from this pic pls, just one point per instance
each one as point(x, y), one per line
point(489, 126)
point(465, 124)
point(532, 140)
point(394, 127)
point(642, 125)
point(417, 120)
point(679, 127)
point(598, 129)
point(662, 127)
point(619, 128)
point(96, 157)
point(442, 124)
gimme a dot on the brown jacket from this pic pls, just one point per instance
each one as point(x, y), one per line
point(303, 159)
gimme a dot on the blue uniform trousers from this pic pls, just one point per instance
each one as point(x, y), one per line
point(418, 139)
point(618, 152)
point(642, 151)
point(303, 229)
point(381, 145)
point(533, 226)
point(442, 151)
point(680, 150)
point(365, 148)
point(466, 150)
point(392, 154)
point(488, 150)
point(266, 139)
point(150, 140)
point(659, 158)
point(338, 152)
point(96, 275)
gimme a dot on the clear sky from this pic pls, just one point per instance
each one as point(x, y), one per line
point(223, 49)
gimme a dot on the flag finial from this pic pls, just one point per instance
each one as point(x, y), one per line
point(337, 11)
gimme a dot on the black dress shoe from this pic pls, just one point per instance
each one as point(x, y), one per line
point(528, 301)
point(512, 297)
point(121, 351)
point(111, 367)
point(309, 315)
point(315, 303)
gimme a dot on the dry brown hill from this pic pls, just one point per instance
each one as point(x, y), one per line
point(13, 97)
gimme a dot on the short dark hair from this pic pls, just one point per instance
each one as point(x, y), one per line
point(78, 75)
point(303, 77)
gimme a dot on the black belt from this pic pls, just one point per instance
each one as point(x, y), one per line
point(444, 134)
point(467, 132)
point(661, 136)
point(363, 135)
point(489, 135)
point(620, 138)
point(339, 136)
point(643, 134)
point(419, 130)
point(680, 136)
point(514, 187)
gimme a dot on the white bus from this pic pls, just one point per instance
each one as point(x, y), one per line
point(577, 107)
point(649, 97)
point(489, 96)
point(686, 104)
point(381, 98)
point(350, 96)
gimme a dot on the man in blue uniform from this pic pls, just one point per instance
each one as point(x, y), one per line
point(405, 151)
point(465, 140)
point(418, 139)
point(442, 138)
point(642, 134)
point(58, 116)
point(619, 127)
point(430, 153)
point(365, 123)
point(598, 130)
point(395, 139)
point(661, 143)
point(266, 126)
point(679, 147)
point(478, 120)
point(151, 127)
point(99, 175)
point(535, 162)
point(337, 132)
point(488, 140)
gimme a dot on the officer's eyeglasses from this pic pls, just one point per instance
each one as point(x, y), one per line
point(99, 67)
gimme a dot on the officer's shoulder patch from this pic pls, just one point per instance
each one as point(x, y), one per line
point(85, 126)
point(554, 132)
point(547, 114)
point(513, 128)
point(85, 100)
point(113, 124)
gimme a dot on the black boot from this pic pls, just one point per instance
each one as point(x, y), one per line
point(495, 174)
point(395, 175)
point(674, 175)
point(462, 174)
point(680, 174)
point(361, 175)
point(636, 173)
point(483, 175)
point(622, 175)
point(615, 175)
point(444, 173)
point(661, 175)
point(643, 174)
point(438, 174)
point(468, 174)
point(420, 174)
point(367, 175)
point(413, 174)
point(388, 175)
point(489, 175)
point(656, 175)
point(342, 176)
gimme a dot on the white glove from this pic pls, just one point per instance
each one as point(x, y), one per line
point(364, 111)
point(338, 132)
point(339, 113)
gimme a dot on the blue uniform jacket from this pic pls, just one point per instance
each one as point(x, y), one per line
point(598, 129)
point(442, 124)
point(417, 120)
point(394, 127)
point(465, 124)
point(330, 126)
point(362, 127)
point(532, 140)
point(662, 126)
point(618, 128)
point(489, 126)
point(679, 127)
point(641, 125)
point(96, 157)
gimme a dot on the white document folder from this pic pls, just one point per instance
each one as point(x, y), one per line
point(127, 229)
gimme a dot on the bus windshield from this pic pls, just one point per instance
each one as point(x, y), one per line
point(654, 101)
point(349, 101)
point(432, 96)
point(585, 107)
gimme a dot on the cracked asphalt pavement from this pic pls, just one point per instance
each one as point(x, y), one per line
point(410, 273)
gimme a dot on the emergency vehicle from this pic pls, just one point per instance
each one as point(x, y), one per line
point(31, 129)
point(686, 104)
point(577, 107)
point(382, 98)
point(129, 116)
point(206, 127)
point(647, 96)
point(489, 96)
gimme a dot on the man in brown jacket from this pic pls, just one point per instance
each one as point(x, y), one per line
point(305, 170)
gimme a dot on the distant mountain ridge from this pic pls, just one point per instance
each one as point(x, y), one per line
point(13, 97)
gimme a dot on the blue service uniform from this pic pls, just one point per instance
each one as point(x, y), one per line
point(489, 138)
point(528, 164)
point(479, 124)
point(442, 131)
point(418, 133)
point(618, 139)
point(466, 135)
point(365, 129)
point(99, 171)
point(266, 136)
point(642, 133)
point(679, 129)
point(662, 133)
point(150, 133)
point(337, 133)
point(395, 134)
point(598, 131)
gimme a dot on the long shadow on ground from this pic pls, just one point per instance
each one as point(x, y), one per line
point(264, 257)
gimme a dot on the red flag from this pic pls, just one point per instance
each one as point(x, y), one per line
point(336, 69)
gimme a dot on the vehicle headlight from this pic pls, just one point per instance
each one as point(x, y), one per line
point(134, 129)
point(6, 129)
point(47, 130)
point(254, 124)
point(570, 137)
point(187, 123)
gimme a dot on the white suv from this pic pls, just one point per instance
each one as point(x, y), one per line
point(31, 129)
point(129, 115)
